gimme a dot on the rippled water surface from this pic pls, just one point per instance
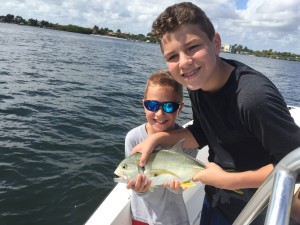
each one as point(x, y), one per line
point(67, 102)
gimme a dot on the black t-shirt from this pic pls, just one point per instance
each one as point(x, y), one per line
point(246, 125)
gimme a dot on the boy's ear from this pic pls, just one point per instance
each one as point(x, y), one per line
point(217, 41)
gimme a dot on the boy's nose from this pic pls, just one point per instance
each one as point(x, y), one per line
point(160, 110)
point(185, 60)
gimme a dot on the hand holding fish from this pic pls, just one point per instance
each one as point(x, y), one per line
point(213, 175)
point(174, 185)
point(146, 147)
point(164, 166)
point(140, 184)
point(164, 139)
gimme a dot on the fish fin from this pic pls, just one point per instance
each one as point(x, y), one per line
point(178, 146)
point(238, 191)
point(230, 170)
point(187, 184)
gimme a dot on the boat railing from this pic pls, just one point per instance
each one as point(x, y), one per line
point(277, 190)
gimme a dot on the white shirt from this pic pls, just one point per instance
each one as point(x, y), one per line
point(162, 206)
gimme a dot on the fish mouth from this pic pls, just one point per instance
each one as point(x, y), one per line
point(120, 177)
point(120, 180)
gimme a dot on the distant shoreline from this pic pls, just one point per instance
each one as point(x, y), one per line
point(106, 32)
point(106, 36)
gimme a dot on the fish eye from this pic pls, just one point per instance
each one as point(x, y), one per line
point(124, 166)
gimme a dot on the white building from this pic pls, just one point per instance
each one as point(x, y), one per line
point(227, 48)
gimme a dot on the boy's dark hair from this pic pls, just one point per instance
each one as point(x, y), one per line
point(164, 78)
point(179, 14)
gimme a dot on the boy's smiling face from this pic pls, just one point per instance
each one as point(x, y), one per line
point(192, 58)
point(161, 121)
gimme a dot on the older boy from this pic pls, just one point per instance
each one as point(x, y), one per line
point(237, 112)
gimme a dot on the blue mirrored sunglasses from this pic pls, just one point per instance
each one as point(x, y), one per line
point(168, 107)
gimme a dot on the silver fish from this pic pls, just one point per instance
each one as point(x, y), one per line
point(162, 166)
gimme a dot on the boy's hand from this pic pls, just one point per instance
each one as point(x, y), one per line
point(145, 147)
point(174, 185)
point(215, 176)
point(211, 175)
point(140, 184)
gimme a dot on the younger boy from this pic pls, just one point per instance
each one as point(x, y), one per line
point(237, 112)
point(162, 103)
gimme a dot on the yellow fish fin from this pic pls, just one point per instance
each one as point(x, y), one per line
point(187, 184)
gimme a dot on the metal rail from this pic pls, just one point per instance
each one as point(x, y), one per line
point(279, 188)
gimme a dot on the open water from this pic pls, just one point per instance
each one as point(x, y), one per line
point(66, 103)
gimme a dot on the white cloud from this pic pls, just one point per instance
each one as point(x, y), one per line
point(266, 25)
point(260, 25)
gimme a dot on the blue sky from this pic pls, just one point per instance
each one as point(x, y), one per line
point(257, 24)
point(241, 4)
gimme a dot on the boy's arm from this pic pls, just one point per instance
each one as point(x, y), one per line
point(164, 139)
point(215, 176)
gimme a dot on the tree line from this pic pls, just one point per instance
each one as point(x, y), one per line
point(238, 49)
point(9, 18)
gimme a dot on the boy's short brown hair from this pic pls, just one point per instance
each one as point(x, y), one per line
point(164, 78)
point(180, 14)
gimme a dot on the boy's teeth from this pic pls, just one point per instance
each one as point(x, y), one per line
point(189, 74)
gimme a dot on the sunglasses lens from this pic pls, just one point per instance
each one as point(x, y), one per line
point(151, 105)
point(170, 107)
